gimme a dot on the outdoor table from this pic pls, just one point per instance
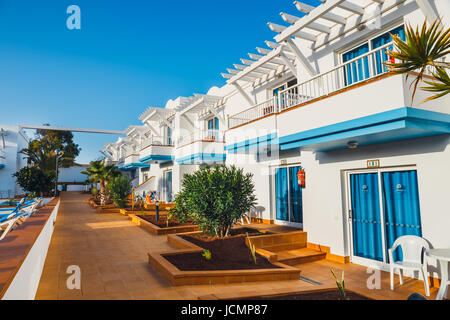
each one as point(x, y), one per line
point(443, 256)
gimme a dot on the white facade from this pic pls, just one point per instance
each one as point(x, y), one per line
point(12, 140)
point(71, 179)
point(341, 112)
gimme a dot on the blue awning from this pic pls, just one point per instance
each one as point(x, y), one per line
point(399, 124)
point(202, 158)
point(156, 158)
point(134, 166)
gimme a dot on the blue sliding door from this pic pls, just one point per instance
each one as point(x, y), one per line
point(169, 186)
point(358, 70)
point(288, 195)
point(366, 218)
point(375, 228)
point(401, 206)
point(281, 194)
point(295, 196)
point(381, 57)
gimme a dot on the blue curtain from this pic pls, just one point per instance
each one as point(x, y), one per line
point(216, 128)
point(169, 186)
point(366, 222)
point(295, 195)
point(169, 136)
point(281, 193)
point(401, 207)
point(358, 70)
point(381, 56)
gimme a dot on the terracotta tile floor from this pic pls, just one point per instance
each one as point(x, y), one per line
point(112, 254)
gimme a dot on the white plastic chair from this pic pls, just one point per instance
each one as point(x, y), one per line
point(412, 248)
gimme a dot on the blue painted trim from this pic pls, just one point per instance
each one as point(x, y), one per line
point(133, 166)
point(402, 118)
point(155, 157)
point(248, 144)
point(202, 157)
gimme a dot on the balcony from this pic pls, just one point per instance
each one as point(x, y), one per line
point(349, 74)
point(156, 149)
point(131, 162)
point(201, 146)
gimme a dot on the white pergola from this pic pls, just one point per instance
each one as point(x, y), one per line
point(316, 27)
point(202, 104)
point(334, 18)
point(160, 115)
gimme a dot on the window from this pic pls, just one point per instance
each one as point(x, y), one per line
point(213, 129)
point(285, 86)
point(275, 92)
point(360, 69)
point(169, 136)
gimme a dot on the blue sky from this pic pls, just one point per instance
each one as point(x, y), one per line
point(127, 56)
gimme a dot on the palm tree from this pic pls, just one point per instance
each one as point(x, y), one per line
point(99, 172)
point(424, 50)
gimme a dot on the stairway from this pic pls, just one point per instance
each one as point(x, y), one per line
point(288, 248)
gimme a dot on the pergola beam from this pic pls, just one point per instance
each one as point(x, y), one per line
point(298, 34)
point(306, 8)
point(301, 57)
point(313, 25)
point(311, 17)
point(243, 93)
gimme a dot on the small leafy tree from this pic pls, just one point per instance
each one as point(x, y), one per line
point(216, 197)
point(34, 179)
point(99, 172)
point(119, 189)
point(423, 50)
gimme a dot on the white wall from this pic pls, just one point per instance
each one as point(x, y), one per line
point(325, 217)
point(14, 142)
point(26, 282)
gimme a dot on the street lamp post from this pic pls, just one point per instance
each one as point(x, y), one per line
point(59, 154)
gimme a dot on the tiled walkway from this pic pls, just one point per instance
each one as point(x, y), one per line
point(112, 254)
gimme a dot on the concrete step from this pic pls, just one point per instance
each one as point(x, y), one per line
point(299, 256)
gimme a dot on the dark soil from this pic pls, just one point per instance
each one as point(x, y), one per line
point(162, 222)
point(230, 253)
point(319, 295)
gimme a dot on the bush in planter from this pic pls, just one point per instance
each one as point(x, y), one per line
point(216, 197)
point(119, 189)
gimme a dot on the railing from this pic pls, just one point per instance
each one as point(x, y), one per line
point(202, 136)
point(263, 109)
point(155, 141)
point(362, 68)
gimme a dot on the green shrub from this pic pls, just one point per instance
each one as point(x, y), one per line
point(34, 179)
point(216, 197)
point(118, 189)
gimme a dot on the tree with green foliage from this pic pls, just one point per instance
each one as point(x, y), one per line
point(43, 150)
point(119, 189)
point(424, 50)
point(34, 179)
point(216, 197)
point(101, 173)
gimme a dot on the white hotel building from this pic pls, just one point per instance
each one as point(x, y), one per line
point(317, 99)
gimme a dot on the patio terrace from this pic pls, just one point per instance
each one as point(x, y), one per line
point(112, 254)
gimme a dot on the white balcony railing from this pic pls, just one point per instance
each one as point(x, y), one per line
point(202, 136)
point(156, 141)
point(362, 68)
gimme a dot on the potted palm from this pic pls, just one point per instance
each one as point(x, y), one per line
point(424, 51)
point(101, 173)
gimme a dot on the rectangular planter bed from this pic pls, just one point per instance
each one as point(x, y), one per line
point(326, 292)
point(153, 228)
point(165, 262)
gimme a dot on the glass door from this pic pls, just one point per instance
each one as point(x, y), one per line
point(288, 195)
point(168, 185)
point(384, 205)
